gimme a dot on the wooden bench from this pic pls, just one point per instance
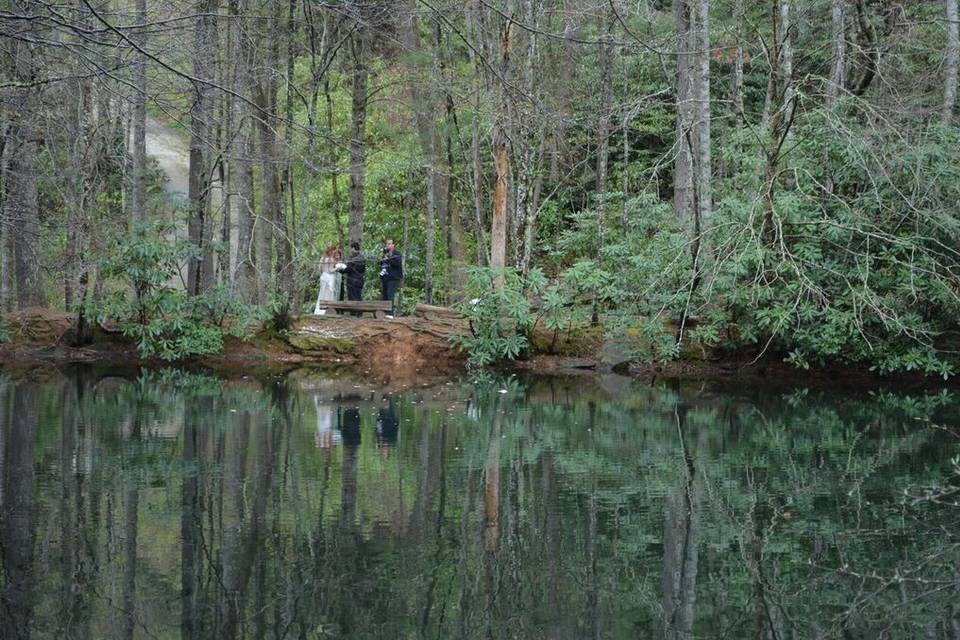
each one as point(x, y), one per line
point(378, 308)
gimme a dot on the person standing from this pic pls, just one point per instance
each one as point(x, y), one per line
point(391, 271)
point(354, 273)
point(328, 279)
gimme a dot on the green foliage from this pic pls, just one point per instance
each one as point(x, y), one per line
point(4, 330)
point(499, 315)
point(869, 279)
point(162, 320)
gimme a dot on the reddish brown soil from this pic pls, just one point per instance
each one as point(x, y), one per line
point(400, 351)
point(387, 349)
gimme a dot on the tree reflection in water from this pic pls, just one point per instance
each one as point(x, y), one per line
point(173, 504)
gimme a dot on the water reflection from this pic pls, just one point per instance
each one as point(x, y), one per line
point(173, 505)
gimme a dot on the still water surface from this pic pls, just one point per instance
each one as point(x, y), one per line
point(172, 505)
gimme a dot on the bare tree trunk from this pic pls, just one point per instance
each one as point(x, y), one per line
point(226, 269)
point(739, 17)
point(528, 133)
point(270, 193)
point(358, 166)
point(6, 235)
point(79, 183)
point(333, 169)
point(482, 253)
point(201, 116)
point(684, 195)
point(208, 276)
point(603, 133)
point(952, 61)
point(838, 61)
point(786, 51)
point(286, 222)
point(501, 159)
point(138, 201)
point(473, 15)
point(498, 228)
point(424, 111)
point(242, 157)
point(531, 202)
point(704, 162)
point(266, 102)
point(20, 205)
point(779, 117)
point(838, 36)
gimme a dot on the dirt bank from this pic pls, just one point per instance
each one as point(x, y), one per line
point(395, 347)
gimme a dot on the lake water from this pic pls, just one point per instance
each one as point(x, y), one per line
point(173, 505)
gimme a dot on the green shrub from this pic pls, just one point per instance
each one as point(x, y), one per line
point(499, 316)
point(163, 321)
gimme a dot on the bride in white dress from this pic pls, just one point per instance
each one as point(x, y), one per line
point(328, 278)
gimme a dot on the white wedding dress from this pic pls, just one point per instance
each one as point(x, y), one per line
point(328, 284)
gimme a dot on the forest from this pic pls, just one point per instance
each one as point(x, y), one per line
point(777, 178)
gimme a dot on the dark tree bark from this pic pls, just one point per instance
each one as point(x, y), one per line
point(952, 61)
point(200, 226)
point(243, 153)
point(704, 146)
point(838, 60)
point(501, 153)
point(20, 204)
point(271, 212)
point(358, 120)
point(684, 176)
point(424, 111)
point(138, 202)
point(603, 132)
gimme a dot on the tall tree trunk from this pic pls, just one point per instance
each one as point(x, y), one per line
point(241, 161)
point(6, 235)
point(20, 205)
point(358, 119)
point(603, 133)
point(79, 183)
point(838, 36)
point(786, 51)
point(6, 231)
point(266, 102)
point(424, 112)
point(208, 275)
point(498, 227)
point(778, 116)
point(501, 156)
point(477, 186)
point(534, 132)
point(138, 202)
point(684, 194)
point(201, 117)
point(704, 148)
point(739, 16)
point(952, 61)
point(286, 221)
